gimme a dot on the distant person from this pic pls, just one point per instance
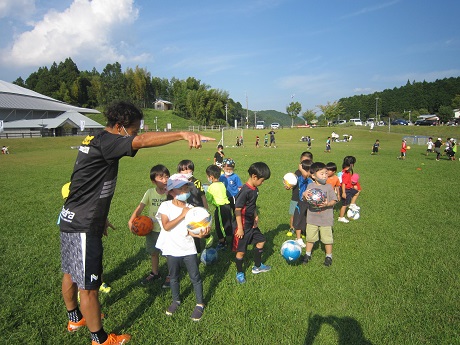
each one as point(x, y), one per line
point(83, 218)
point(429, 146)
point(266, 140)
point(247, 230)
point(452, 149)
point(308, 142)
point(219, 156)
point(437, 148)
point(272, 138)
point(257, 141)
point(371, 126)
point(375, 147)
point(403, 150)
point(5, 150)
point(328, 145)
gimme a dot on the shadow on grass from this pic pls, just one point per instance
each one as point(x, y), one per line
point(124, 268)
point(349, 330)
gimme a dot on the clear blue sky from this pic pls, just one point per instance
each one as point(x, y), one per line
point(271, 52)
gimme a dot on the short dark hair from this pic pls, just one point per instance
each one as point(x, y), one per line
point(306, 164)
point(331, 166)
point(185, 164)
point(317, 166)
point(158, 170)
point(213, 170)
point(220, 147)
point(307, 154)
point(260, 169)
point(124, 113)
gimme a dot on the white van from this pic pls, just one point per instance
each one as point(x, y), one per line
point(357, 122)
point(260, 125)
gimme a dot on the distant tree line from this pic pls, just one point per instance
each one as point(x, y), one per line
point(191, 98)
point(413, 99)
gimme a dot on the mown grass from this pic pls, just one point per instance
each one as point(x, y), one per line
point(394, 279)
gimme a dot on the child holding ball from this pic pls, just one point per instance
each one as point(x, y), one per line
point(176, 243)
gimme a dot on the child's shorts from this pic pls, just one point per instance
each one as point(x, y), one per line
point(314, 232)
point(251, 236)
point(350, 193)
point(151, 242)
point(300, 217)
point(292, 206)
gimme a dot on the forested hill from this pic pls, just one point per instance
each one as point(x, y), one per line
point(438, 97)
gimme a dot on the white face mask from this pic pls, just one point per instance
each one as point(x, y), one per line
point(228, 173)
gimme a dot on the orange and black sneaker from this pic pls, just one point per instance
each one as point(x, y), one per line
point(75, 326)
point(115, 339)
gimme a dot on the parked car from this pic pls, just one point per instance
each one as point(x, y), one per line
point(339, 122)
point(399, 122)
point(275, 125)
point(369, 121)
point(425, 123)
point(357, 122)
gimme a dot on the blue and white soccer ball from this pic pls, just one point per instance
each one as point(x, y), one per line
point(208, 256)
point(353, 214)
point(291, 250)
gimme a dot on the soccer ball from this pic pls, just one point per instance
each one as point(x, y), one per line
point(290, 180)
point(408, 147)
point(197, 219)
point(208, 256)
point(142, 225)
point(291, 250)
point(353, 214)
point(316, 197)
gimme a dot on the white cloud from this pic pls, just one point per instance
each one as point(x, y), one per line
point(85, 30)
point(16, 8)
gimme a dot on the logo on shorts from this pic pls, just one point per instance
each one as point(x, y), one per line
point(94, 277)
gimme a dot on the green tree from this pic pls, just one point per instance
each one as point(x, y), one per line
point(331, 110)
point(293, 110)
point(309, 115)
point(113, 84)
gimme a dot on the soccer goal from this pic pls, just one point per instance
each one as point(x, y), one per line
point(231, 137)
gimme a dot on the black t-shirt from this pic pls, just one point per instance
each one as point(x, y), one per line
point(246, 200)
point(93, 182)
point(196, 193)
point(219, 156)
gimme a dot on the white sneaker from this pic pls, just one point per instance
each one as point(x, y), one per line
point(343, 220)
point(354, 207)
point(300, 242)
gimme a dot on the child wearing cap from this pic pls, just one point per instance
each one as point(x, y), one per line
point(231, 181)
point(176, 243)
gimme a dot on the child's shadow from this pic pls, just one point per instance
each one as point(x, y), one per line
point(348, 329)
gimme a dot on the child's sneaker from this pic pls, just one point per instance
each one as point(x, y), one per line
point(354, 207)
point(221, 246)
point(75, 326)
point(343, 220)
point(150, 278)
point(197, 313)
point(105, 288)
point(306, 259)
point(240, 278)
point(114, 339)
point(172, 308)
point(167, 283)
point(328, 261)
point(300, 242)
point(262, 268)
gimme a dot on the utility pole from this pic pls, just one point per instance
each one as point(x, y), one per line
point(226, 108)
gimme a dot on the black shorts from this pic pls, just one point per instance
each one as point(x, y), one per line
point(251, 236)
point(81, 257)
point(350, 193)
point(300, 216)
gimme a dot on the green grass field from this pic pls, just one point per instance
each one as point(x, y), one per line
point(394, 279)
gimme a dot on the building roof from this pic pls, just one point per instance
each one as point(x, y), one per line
point(72, 117)
point(16, 97)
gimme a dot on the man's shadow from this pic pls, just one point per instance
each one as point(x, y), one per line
point(126, 267)
point(349, 330)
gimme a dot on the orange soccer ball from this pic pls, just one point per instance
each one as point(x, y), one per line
point(142, 225)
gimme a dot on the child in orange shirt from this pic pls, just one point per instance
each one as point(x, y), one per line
point(332, 178)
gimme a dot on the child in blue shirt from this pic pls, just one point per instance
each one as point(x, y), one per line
point(231, 181)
